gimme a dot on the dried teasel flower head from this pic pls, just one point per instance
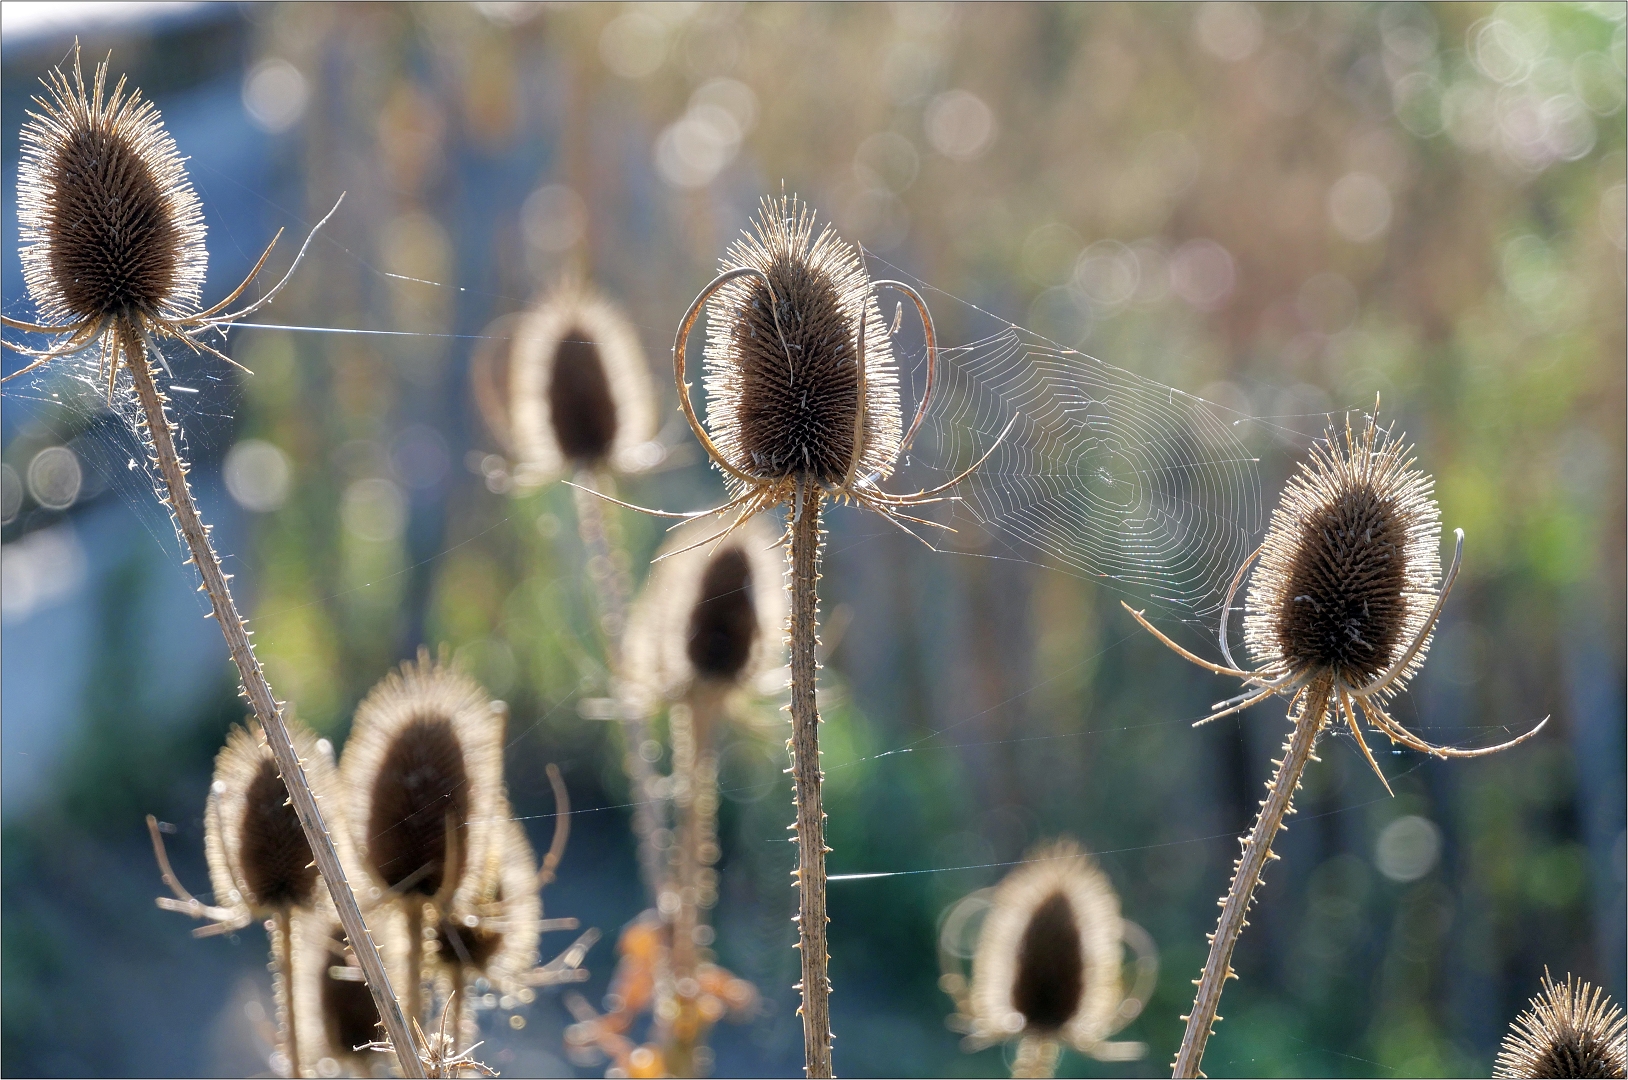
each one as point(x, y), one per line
point(424, 769)
point(1049, 959)
point(335, 1017)
point(710, 613)
point(1349, 569)
point(109, 223)
point(1570, 1030)
point(1344, 601)
point(578, 389)
point(786, 394)
point(259, 859)
point(112, 232)
point(493, 931)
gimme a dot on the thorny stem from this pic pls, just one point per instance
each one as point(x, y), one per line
point(607, 571)
point(267, 710)
point(1247, 874)
point(806, 779)
point(283, 939)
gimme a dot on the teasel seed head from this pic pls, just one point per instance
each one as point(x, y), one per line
point(493, 931)
point(784, 395)
point(1570, 1030)
point(710, 613)
point(424, 768)
point(334, 1010)
point(1350, 567)
point(1049, 955)
point(258, 856)
point(578, 388)
point(109, 223)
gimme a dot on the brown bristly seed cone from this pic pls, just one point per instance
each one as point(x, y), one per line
point(1571, 1029)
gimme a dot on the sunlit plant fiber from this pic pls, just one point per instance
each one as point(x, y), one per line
point(1570, 1030)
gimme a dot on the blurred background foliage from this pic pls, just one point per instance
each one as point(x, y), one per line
point(1284, 208)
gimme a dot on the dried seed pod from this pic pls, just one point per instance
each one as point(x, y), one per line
point(578, 389)
point(1570, 1030)
point(1350, 567)
point(424, 768)
point(785, 387)
point(710, 613)
point(1049, 956)
point(336, 1014)
point(109, 223)
point(258, 855)
point(493, 932)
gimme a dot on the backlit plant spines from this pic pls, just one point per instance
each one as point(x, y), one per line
point(784, 383)
point(1047, 968)
point(1570, 1029)
point(1350, 567)
point(578, 387)
point(108, 220)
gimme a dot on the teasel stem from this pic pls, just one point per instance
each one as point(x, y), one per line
point(1247, 874)
point(695, 801)
point(607, 571)
point(1036, 1057)
point(283, 946)
point(413, 994)
point(806, 779)
point(129, 340)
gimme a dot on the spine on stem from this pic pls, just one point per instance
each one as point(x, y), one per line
point(1247, 875)
point(266, 707)
point(806, 781)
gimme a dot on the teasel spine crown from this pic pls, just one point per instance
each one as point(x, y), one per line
point(115, 257)
point(1570, 1029)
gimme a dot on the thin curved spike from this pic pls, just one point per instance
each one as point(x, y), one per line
point(1400, 734)
point(888, 514)
point(199, 347)
point(237, 292)
point(923, 496)
point(184, 901)
point(1183, 653)
point(1226, 608)
point(687, 516)
point(32, 328)
point(227, 320)
point(932, 355)
point(1240, 707)
point(681, 342)
point(1356, 732)
point(1282, 684)
point(82, 338)
point(1418, 641)
point(719, 536)
point(562, 826)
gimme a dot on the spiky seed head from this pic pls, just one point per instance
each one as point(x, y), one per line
point(494, 931)
point(710, 612)
point(257, 851)
point(1049, 953)
point(108, 220)
point(579, 388)
point(424, 767)
point(1349, 569)
point(1570, 1030)
point(781, 410)
point(334, 1016)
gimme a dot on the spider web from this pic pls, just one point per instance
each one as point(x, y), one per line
point(1100, 472)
